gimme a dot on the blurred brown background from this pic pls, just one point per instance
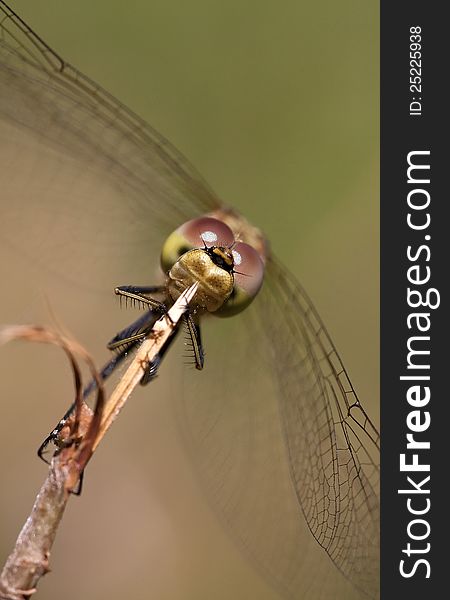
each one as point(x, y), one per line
point(277, 106)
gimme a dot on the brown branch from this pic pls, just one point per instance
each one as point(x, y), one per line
point(29, 560)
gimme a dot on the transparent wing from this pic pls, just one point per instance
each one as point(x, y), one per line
point(285, 449)
point(333, 445)
point(51, 114)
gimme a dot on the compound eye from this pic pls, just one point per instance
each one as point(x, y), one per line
point(248, 279)
point(197, 233)
point(209, 231)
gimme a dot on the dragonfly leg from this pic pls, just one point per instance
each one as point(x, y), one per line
point(124, 342)
point(151, 371)
point(105, 372)
point(142, 295)
point(134, 333)
point(193, 329)
point(77, 491)
point(196, 343)
point(53, 435)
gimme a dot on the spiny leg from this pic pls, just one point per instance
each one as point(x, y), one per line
point(125, 341)
point(141, 294)
point(105, 372)
point(131, 333)
point(193, 329)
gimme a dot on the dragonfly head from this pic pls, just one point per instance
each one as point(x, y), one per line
point(236, 258)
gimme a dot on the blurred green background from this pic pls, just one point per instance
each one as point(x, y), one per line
point(277, 106)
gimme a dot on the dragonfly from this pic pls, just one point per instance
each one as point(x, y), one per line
point(287, 454)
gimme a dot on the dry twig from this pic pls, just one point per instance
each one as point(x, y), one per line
point(29, 559)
